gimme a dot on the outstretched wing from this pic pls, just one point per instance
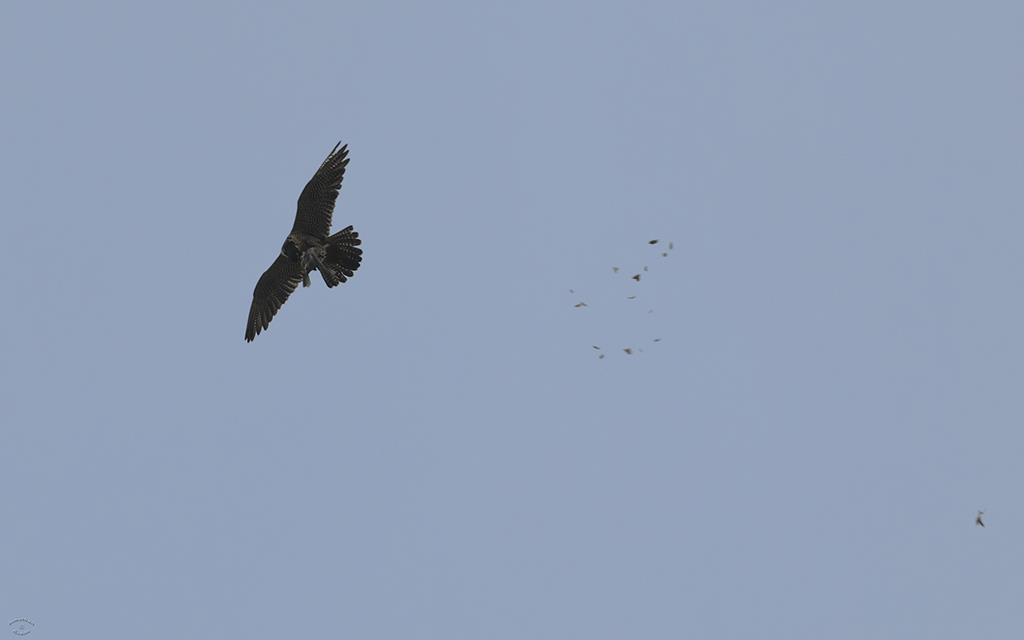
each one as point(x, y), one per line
point(316, 203)
point(272, 290)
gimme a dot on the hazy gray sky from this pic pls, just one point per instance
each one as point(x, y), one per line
point(434, 449)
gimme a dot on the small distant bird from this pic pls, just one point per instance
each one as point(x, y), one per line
point(652, 242)
point(637, 277)
point(657, 340)
point(600, 357)
point(630, 297)
point(645, 267)
point(628, 351)
point(670, 246)
point(579, 305)
point(977, 519)
point(615, 269)
point(308, 247)
point(664, 254)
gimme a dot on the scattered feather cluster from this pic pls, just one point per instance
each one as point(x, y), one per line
point(636, 278)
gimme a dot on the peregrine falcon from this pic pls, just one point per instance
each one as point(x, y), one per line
point(309, 246)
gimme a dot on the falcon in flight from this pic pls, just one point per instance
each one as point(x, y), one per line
point(309, 247)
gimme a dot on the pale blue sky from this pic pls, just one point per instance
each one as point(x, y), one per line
point(434, 450)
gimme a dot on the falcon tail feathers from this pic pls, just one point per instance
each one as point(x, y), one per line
point(343, 254)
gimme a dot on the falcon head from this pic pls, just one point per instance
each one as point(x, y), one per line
point(290, 250)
